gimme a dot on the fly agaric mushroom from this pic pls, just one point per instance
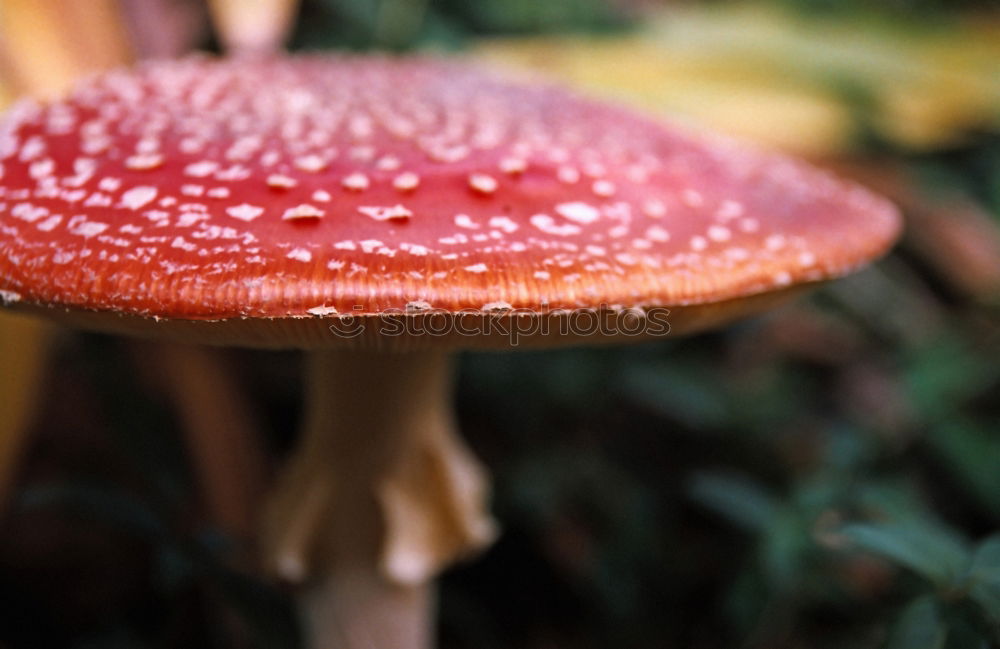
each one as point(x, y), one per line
point(380, 213)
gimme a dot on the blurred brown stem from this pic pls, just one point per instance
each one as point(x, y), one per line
point(24, 346)
point(165, 28)
point(219, 428)
point(48, 45)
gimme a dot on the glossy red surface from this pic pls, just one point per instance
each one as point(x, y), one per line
point(316, 185)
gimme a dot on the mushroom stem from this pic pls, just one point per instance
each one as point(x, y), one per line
point(47, 46)
point(253, 26)
point(222, 439)
point(24, 352)
point(379, 497)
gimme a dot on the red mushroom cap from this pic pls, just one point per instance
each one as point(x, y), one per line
point(207, 190)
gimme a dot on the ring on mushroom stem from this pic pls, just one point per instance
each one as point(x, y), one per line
point(306, 202)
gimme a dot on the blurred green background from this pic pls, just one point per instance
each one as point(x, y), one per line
point(826, 476)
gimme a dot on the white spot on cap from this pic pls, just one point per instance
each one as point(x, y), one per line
point(497, 307)
point(144, 161)
point(355, 182)
point(41, 168)
point(774, 242)
point(89, 229)
point(9, 297)
point(187, 219)
point(201, 169)
point(738, 254)
point(483, 183)
point(547, 224)
point(83, 169)
point(28, 212)
point(579, 212)
point(49, 224)
point(180, 242)
point(568, 175)
point(109, 184)
point(281, 181)
point(360, 126)
point(245, 212)
point(503, 223)
point(698, 243)
point(542, 274)
point(97, 199)
point(513, 165)
point(322, 311)
point(603, 188)
point(311, 163)
point(304, 211)
point(321, 195)
point(477, 268)
point(406, 182)
point(369, 245)
point(465, 221)
point(729, 210)
point(654, 208)
point(387, 163)
point(444, 153)
point(719, 233)
point(235, 172)
point(382, 213)
point(300, 254)
point(138, 197)
point(418, 306)
point(656, 233)
point(33, 147)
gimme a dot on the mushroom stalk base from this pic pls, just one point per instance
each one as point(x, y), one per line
point(379, 497)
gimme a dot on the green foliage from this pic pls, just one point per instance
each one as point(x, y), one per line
point(854, 7)
point(970, 450)
point(180, 562)
point(406, 24)
point(931, 552)
point(921, 626)
point(963, 609)
point(738, 499)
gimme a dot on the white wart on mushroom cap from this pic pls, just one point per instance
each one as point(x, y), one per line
point(206, 189)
